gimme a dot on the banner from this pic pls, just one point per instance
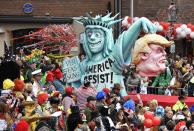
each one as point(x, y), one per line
point(71, 69)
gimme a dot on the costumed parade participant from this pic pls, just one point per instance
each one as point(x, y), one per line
point(37, 84)
point(105, 61)
point(57, 77)
point(9, 69)
point(31, 63)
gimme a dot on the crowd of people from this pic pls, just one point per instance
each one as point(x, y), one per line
point(40, 101)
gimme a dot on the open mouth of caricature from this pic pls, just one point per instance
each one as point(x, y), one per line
point(94, 45)
point(162, 61)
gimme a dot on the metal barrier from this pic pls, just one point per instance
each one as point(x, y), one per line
point(157, 91)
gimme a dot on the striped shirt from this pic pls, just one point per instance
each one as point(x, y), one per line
point(82, 94)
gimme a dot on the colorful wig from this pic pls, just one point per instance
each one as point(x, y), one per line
point(7, 84)
point(19, 85)
point(42, 97)
point(22, 126)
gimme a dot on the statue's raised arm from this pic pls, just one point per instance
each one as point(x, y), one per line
point(131, 35)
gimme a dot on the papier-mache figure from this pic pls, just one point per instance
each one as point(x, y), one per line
point(105, 61)
point(149, 54)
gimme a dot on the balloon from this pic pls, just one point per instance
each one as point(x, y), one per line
point(176, 26)
point(136, 18)
point(189, 25)
point(192, 35)
point(148, 123)
point(156, 121)
point(165, 26)
point(162, 23)
point(183, 34)
point(128, 26)
point(188, 31)
point(192, 28)
point(129, 19)
point(183, 26)
point(124, 23)
point(126, 17)
point(148, 115)
point(160, 28)
point(178, 30)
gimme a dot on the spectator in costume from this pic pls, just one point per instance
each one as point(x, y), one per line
point(101, 100)
point(83, 93)
point(58, 75)
point(116, 92)
point(68, 100)
point(74, 118)
point(37, 85)
point(49, 85)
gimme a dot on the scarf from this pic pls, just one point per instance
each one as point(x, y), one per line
point(90, 106)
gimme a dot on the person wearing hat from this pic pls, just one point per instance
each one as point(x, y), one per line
point(19, 88)
point(49, 85)
point(74, 118)
point(68, 100)
point(37, 85)
point(116, 92)
point(107, 122)
point(46, 122)
point(101, 100)
point(159, 111)
point(8, 95)
point(180, 104)
point(90, 107)
point(54, 102)
point(31, 66)
point(31, 117)
point(107, 91)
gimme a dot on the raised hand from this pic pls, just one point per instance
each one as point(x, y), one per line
point(148, 26)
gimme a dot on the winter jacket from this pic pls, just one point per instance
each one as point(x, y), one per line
point(161, 80)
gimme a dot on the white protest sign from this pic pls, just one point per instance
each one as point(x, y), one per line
point(71, 69)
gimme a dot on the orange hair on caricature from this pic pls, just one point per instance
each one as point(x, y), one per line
point(19, 85)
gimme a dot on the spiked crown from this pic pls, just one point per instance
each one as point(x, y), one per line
point(105, 21)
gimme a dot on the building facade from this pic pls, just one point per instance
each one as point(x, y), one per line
point(157, 10)
point(21, 17)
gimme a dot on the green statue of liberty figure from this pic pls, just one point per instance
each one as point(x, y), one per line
point(106, 60)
